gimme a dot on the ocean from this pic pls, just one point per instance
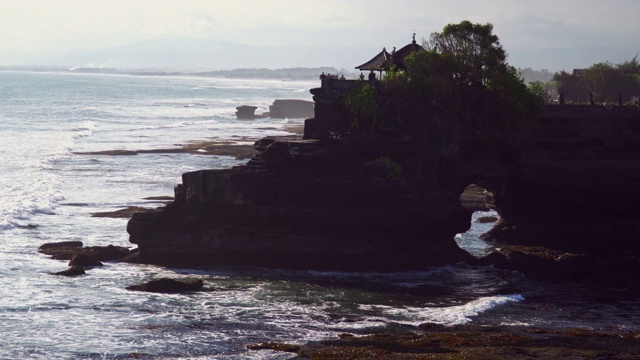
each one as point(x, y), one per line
point(50, 187)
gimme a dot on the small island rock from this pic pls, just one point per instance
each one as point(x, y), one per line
point(84, 260)
point(72, 271)
point(167, 285)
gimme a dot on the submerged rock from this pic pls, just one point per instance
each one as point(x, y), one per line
point(167, 285)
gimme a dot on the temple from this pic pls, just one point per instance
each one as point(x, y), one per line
point(385, 61)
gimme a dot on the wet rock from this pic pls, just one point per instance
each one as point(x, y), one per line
point(291, 108)
point(275, 347)
point(122, 213)
point(546, 264)
point(487, 219)
point(167, 285)
point(84, 260)
point(67, 250)
point(59, 245)
point(72, 271)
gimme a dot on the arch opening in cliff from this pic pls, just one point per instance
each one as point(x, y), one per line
point(475, 199)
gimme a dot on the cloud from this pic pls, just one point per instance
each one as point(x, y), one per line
point(32, 25)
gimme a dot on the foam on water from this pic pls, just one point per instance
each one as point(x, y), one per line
point(451, 315)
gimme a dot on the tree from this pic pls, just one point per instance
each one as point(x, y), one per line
point(574, 87)
point(462, 80)
point(475, 48)
point(604, 80)
point(538, 88)
point(629, 67)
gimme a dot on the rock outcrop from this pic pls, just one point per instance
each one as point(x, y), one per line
point(71, 271)
point(372, 202)
point(576, 185)
point(390, 200)
point(291, 108)
point(305, 204)
point(66, 250)
point(167, 285)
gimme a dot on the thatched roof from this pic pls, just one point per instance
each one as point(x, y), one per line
point(376, 62)
point(398, 56)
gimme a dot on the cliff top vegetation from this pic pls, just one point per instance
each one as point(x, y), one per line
point(606, 81)
point(462, 79)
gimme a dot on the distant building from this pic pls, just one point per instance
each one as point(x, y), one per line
point(384, 60)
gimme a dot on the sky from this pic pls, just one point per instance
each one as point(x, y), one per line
point(56, 26)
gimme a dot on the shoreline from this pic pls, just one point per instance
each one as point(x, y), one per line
point(434, 341)
point(234, 148)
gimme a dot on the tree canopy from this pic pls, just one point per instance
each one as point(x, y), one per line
point(606, 81)
point(463, 78)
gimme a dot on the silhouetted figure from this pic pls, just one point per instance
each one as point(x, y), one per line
point(322, 76)
point(372, 76)
point(562, 98)
point(591, 98)
point(361, 76)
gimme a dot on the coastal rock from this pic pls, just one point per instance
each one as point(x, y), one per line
point(60, 245)
point(72, 271)
point(393, 199)
point(122, 213)
point(538, 262)
point(575, 186)
point(325, 202)
point(291, 108)
point(84, 261)
point(67, 250)
point(167, 285)
point(304, 204)
point(487, 219)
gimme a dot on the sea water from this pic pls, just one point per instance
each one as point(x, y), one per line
point(50, 187)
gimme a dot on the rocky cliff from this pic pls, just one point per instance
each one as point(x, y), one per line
point(390, 199)
point(304, 204)
point(576, 185)
point(384, 201)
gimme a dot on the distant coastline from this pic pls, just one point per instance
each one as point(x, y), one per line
point(298, 73)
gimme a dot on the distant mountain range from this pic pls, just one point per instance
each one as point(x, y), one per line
point(201, 55)
point(209, 55)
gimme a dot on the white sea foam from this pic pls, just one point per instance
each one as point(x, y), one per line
point(450, 315)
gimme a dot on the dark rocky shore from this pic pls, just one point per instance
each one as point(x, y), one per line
point(391, 200)
point(433, 341)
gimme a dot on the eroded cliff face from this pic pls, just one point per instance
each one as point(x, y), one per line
point(576, 186)
point(307, 204)
point(377, 201)
point(390, 199)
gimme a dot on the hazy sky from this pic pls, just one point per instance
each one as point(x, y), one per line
point(37, 26)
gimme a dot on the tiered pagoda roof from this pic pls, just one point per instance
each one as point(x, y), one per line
point(376, 62)
point(384, 61)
